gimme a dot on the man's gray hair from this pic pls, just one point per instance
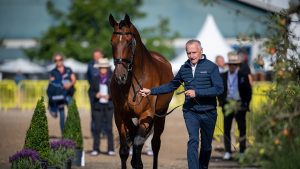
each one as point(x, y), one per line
point(193, 41)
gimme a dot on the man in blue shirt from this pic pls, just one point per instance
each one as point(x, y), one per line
point(237, 90)
point(90, 74)
point(202, 83)
point(91, 71)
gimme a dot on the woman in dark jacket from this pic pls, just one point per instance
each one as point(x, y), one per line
point(61, 88)
point(103, 107)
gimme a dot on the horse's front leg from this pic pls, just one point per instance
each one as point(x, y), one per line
point(145, 124)
point(159, 124)
point(124, 148)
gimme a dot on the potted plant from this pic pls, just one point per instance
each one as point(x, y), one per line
point(25, 158)
point(61, 153)
point(73, 131)
point(37, 137)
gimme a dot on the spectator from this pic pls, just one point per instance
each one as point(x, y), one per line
point(220, 62)
point(61, 88)
point(258, 66)
point(102, 109)
point(244, 66)
point(93, 72)
point(19, 77)
point(237, 90)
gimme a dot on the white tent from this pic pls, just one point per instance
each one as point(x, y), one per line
point(212, 42)
point(21, 65)
point(76, 66)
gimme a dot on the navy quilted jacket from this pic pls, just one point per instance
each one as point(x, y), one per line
point(207, 84)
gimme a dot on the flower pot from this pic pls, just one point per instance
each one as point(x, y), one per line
point(44, 164)
point(68, 164)
point(78, 157)
point(53, 167)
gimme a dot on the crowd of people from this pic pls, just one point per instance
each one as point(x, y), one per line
point(206, 84)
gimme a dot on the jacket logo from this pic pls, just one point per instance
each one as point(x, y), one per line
point(204, 72)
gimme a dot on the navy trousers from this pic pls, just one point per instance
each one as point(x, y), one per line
point(204, 123)
point(105, 113)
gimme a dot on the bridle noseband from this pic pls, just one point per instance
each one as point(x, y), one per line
point(132, 43)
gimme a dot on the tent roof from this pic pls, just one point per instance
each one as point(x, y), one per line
point(212, 42)
point(21, 65)
point(76, 66)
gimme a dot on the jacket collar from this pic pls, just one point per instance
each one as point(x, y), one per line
point(201, 60)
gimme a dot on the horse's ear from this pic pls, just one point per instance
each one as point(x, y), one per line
point(127, 20)
point(112, 21)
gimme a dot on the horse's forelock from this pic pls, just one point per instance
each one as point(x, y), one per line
point(122, 23)
point(135, 31)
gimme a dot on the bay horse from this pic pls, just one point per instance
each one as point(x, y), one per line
point(135, 68)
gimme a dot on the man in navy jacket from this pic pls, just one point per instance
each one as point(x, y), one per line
point(202, 83)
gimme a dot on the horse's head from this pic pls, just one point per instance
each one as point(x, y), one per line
point(123, 44)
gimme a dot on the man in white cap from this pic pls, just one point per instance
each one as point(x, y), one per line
point(237, 89)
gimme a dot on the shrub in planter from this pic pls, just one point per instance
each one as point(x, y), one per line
point(72, 128)
point(73, 131)
point(37, 137)
point(61, 152)
point(25, 158)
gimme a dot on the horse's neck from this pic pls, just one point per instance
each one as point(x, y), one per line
point(139, 58)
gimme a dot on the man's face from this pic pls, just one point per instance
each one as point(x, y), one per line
point(194, 52)
point(97, 55)
point(220, 62)
point(232, 67)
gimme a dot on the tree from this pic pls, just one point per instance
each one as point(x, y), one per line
point(37, 137)
point(277, 143)
point(72, 128)
point(85, 27)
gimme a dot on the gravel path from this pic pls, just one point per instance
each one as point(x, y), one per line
point(14, 123)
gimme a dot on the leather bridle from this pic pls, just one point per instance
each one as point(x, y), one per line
point(127, 63)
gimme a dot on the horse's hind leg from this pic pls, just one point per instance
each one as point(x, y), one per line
point(159, 124)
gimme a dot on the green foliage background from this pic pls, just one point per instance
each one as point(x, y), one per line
point(277, 143)
point(37, 137)
point(86, 27)
point(72, 128)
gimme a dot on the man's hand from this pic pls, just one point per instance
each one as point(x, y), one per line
point(145, 92)
point(190, 93)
